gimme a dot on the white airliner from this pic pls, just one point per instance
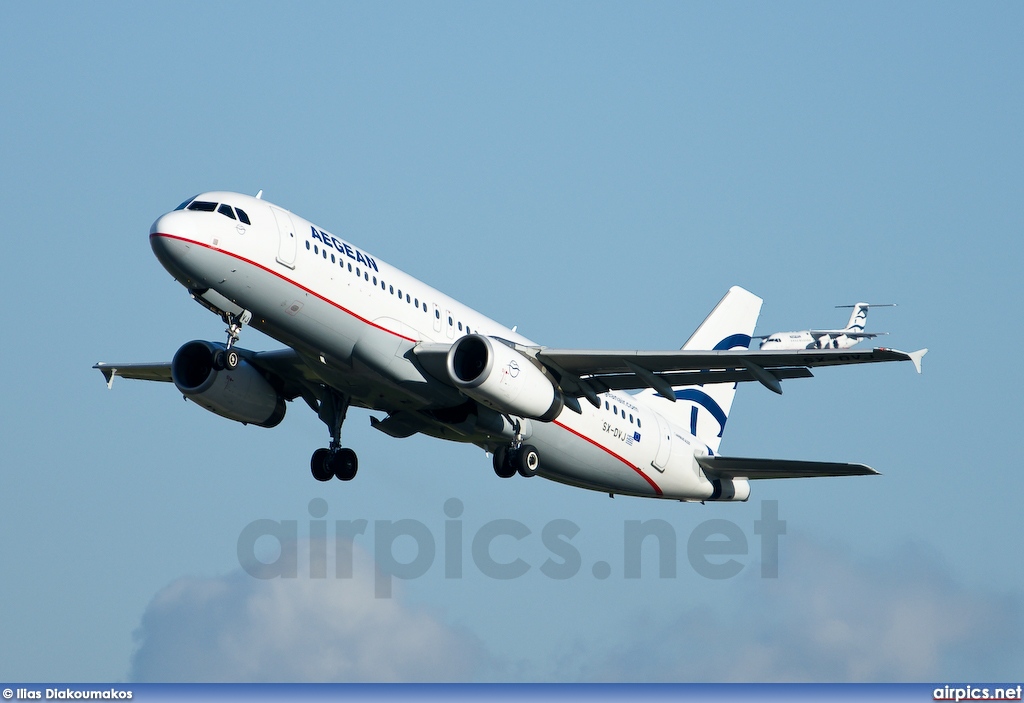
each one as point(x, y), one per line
point(827, 339)
point(362, 333)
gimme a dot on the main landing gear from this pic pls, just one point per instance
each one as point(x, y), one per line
point(516, 458)
point(524, 461)
point(334, 461)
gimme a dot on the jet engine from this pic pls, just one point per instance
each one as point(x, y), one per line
point(502, 378)
point(241, 393)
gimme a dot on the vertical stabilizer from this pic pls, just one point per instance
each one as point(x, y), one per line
point(858, 318)
point(703, 410)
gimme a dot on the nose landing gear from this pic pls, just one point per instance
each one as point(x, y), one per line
point(229, 358)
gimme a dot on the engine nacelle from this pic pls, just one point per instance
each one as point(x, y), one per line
point(241, 394)
point(730, 489)
point(501, 378)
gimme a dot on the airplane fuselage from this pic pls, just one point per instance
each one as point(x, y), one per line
point(356, 321)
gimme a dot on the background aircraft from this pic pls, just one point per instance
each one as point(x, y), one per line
point(827, 339)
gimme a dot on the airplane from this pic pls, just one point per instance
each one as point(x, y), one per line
point(827, 339)
point(359, 332)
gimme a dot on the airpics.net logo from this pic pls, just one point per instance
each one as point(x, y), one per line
point(501, 549)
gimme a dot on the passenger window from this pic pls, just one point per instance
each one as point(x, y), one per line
point(226, 210)
point(460, 326)
point(357, 272)
point(202, 206)
point(391, 290)
point(307, 246)
point(242, 216)
point(437, 314)
point(374, 281)
point(424, 307)
point(332, 259)
point(408, 298)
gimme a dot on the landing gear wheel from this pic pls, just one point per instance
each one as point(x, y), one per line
point(502, 466)
point(318, 465)
point(231, 359)
point(527, 461)
point(344, 463)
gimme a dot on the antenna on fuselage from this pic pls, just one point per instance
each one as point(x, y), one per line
point(259, 196)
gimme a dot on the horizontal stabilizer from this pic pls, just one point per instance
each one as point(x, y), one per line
point(719, 467)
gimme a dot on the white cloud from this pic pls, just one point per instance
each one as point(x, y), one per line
point(830, 617)
point(239, 628)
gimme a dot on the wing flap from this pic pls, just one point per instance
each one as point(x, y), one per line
point(628, 381)
point(719, 467)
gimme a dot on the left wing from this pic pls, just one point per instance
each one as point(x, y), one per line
point(284, 365)
point(583, 372)
point(141, 372)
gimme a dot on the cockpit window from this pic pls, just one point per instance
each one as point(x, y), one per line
point(184, 204)
point(226, 210)
point(202, 206)
point(242, 216)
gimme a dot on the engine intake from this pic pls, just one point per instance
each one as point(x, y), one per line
point(241, 394)
point(502, 378)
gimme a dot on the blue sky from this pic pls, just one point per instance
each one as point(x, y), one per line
point(597, 174)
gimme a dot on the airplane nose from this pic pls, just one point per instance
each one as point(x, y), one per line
point(178, 224)
point(172, 236)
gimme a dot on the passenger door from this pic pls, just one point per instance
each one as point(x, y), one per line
point(289, 243)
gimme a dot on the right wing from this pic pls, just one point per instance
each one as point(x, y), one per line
point(846, 333)
point(581, 372)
